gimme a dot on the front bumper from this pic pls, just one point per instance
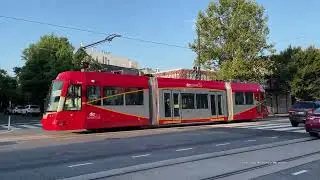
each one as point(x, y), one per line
point(300, 119)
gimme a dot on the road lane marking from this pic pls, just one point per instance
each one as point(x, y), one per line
point(265, 125)
point(270, 127)
point(142, 155)
point(185, 149)
point(223, 144)
point(28, 126)
point(273, 137)
point(286, 129)
point(76, 165)
point(300, 131)
point(251, 140)
point(299, 172)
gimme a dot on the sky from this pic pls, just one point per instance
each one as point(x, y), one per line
point(168, 21)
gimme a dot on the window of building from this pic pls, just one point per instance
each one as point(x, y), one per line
point(249, 98)
point(202, 101)
point(187, 100)
point(239, 98)
point(73, 99)
point(94, 95)
point(134, 96)
point(113, 96)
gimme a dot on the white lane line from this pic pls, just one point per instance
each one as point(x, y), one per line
point(273, 137)
point(299, 172)
point(76, 165)
point(251, 140)
point(28, 126)
point(286, 129)
point(142, 155)
point(300, 131)
point(11, 127)
point(185, 149)
point(223, 144)
point(270, 127)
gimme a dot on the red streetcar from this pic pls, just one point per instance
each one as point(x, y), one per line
point(96, 100)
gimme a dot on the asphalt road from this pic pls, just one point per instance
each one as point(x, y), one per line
point(306, 171)
point(75, 159)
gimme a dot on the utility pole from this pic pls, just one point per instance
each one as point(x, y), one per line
point(198, 71)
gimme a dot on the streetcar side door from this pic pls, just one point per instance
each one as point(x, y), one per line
point(171, 106)
point(217, 106)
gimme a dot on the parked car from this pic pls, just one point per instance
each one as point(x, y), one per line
point(299, 111)
point(31, 110)
point(17, 110)
point(312, 124)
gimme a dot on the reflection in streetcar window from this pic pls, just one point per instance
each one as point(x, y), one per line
point(187, 100)
point(167, 107)
point(202, 101)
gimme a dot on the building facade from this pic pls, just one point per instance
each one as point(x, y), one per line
point(185, 74)
point(109, 59)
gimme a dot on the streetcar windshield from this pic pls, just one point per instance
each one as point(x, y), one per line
point(54, 96)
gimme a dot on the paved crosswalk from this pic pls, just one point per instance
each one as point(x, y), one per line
point(21, 126)
point(268, 125)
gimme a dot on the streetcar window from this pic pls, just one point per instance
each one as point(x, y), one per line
point(113, 96)
point(239, 98)
point(54, 96)
point(94, 95)
point(187, 100)
point(202, 101)
point(134, 96)
point(73, 99)
point(220, 111)
point(213, 105)
point(167, 105)
point(249, 98)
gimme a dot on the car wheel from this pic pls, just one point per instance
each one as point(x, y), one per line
point(313, 134)
point(294, 124)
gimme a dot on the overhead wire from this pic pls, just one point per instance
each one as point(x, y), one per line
point(91, 31)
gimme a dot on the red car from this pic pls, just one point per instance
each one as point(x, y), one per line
point(312, 124)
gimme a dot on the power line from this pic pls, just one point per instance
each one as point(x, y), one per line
point(90, 31)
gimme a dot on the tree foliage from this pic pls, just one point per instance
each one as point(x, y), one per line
point(43, 61)
point(8, 89)
point(232, 33)
point(297, 71)
point(306, 81)
point(285, 67)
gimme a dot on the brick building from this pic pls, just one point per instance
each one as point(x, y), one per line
point(185, 74)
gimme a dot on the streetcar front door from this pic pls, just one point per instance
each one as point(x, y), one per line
point(171, 105)
point(217, 105)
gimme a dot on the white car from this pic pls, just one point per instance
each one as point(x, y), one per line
point(17, 110)
point(31, 109)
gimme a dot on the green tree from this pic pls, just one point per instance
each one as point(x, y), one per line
point(285, 67)
point(306, 79)
point(81, 56)
point(43, 61)
point(233, 33)
point(8, 89)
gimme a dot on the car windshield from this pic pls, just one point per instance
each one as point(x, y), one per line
point(303, 105)
point(54, 96)
point(317, 111)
